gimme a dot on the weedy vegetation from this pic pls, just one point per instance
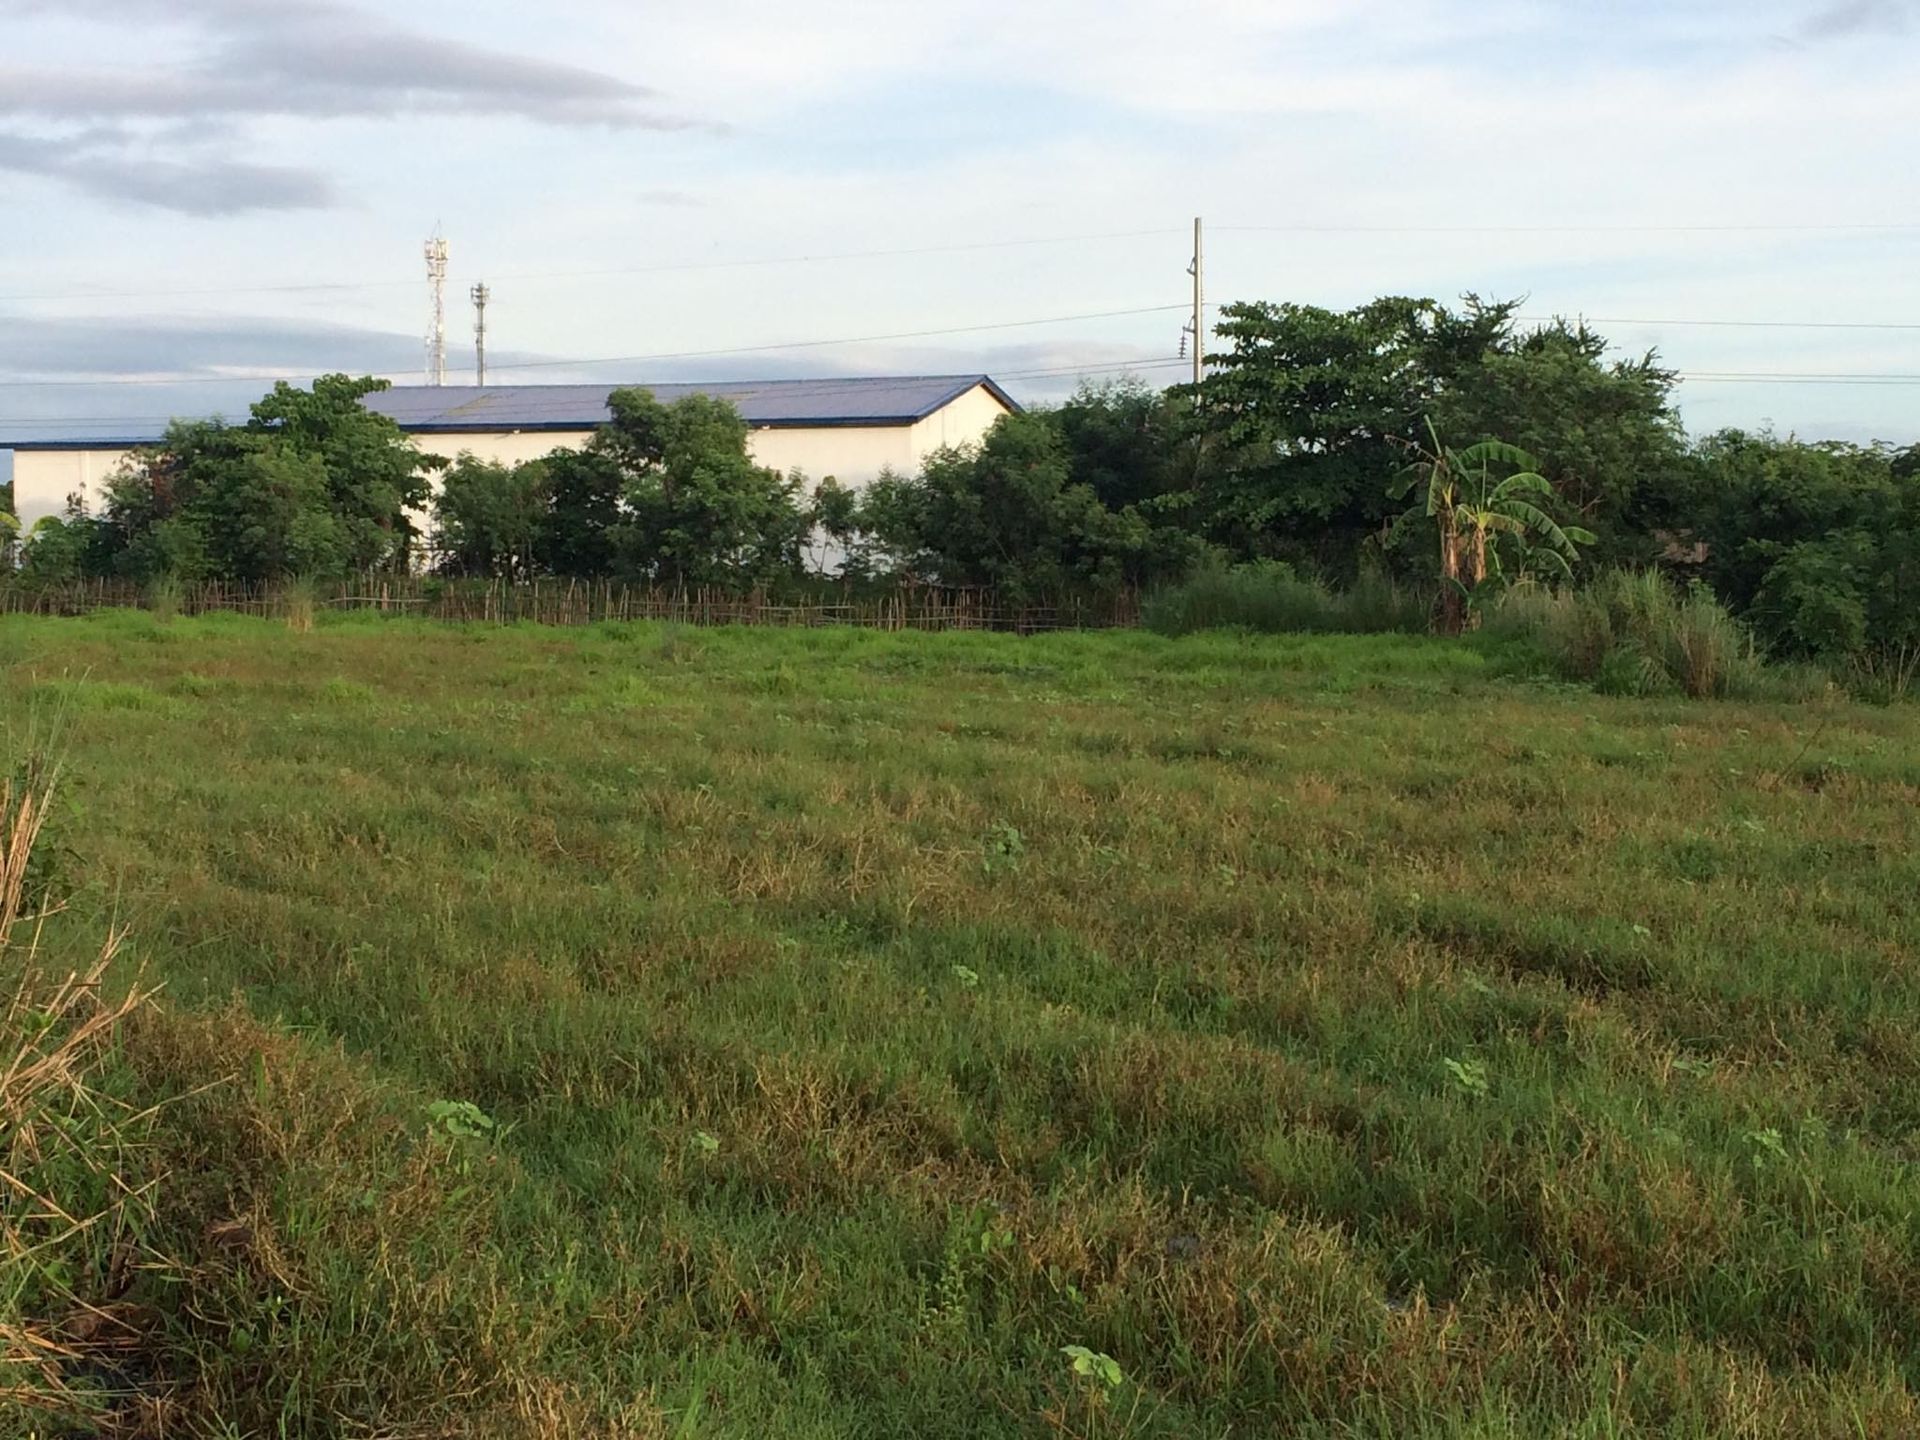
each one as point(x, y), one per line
point(840, 1033)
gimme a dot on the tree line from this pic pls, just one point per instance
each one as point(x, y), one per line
point(1306, 443)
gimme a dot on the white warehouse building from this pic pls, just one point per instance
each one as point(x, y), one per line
point(851, 429)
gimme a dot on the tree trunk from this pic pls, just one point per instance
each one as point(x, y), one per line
point(1452, 611)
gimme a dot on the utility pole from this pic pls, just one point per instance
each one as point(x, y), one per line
point(480, 297)
point(1199, 327)
point(437, 312)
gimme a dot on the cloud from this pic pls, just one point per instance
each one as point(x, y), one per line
point(106, 165)
point(1847, 18)
point(114, 348)
point(126, 132)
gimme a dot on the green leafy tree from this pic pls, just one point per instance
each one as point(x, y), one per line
point(490, 519)
point(1301, 422)
point(375, 480)
point(1476, 498)
point(213, 501)
point(1606, 432)
point(55, 550)
point(1126, 442)
point(695, 508)
point(1818, 546)
point(883, 530)
point(312, 484)
point(1007, 514)
point(1300, 418)
point(581, 490)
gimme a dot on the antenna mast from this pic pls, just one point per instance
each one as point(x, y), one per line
point(437, 315)
point(480, 295)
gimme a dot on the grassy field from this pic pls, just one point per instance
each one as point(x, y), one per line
point(750, 1033)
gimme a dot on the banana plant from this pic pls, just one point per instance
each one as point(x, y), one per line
point(1475, 497)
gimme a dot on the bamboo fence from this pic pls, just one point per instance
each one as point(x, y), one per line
point(585, 602)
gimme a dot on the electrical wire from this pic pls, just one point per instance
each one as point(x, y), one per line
point(1730, 324)
point(1887, 226)
point(11, 383)
point(962, 247)
point(671, 268)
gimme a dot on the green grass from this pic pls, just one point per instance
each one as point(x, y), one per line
point(1343, 1038)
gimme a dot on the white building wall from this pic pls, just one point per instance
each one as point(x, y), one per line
point(502, 448)
point(43, 479)
point(853, 454)
point(963, 422)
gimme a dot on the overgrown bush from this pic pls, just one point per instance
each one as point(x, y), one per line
point(1634, 633)
point(1269, 596)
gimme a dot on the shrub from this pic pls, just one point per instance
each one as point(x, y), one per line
point(1631, 632)
point(1268, 596)
point(297, 599)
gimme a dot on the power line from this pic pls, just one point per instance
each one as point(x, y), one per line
point(1732, 324)
point(1890, 226)
point(321, 287)
point(666, 269)
point(637, 359)
point(1761, 377)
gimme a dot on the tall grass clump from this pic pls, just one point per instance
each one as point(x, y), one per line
point(1269, 596)
point(163, 598)
point(73, 1210)
point(1633, 633)
point(298, 598)
point(1885, 676)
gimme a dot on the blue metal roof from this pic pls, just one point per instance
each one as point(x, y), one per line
point(805, 404)
point(774, 404)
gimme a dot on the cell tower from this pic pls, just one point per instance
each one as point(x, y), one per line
point(480, 295)
point(437, 318)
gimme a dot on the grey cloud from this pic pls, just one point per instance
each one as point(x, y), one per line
point(108, 167)
point(132, 132)
point(1847, 18)
point(681, 198)
point(142, 345)
point(327, 60)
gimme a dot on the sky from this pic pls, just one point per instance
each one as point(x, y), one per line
point(198, 194)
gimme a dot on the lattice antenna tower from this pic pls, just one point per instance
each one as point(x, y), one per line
point(437, 311)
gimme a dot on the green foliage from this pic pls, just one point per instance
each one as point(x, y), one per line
point(461, 1120)
point(1009, 515)
point(1480, 518)
point(580, 524)
point(1470, 1076)
point(1004, 848)
point(56, 550)
point(1268, 596)
point(491, 519)
point(696, 510)
point(1302, 421)
point(1094, 1365)
point(1633, 632)
point(1607, 435)
point(312, 484)
point(1126, 442)
point(1817, 545)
